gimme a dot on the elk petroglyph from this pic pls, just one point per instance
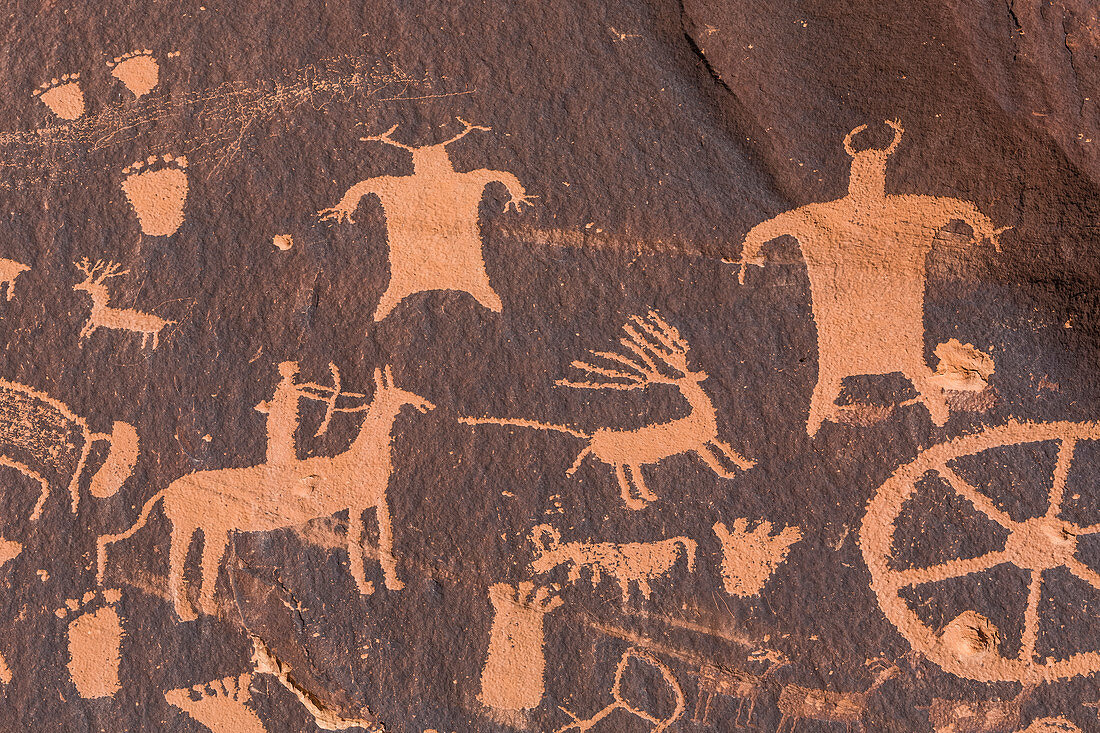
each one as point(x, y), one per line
point(104, 315)
point(432, 222)
point(266, 497)
point(626, 563)
point(740, 684)
point(750, 556)
point(865, 254)
point(655, 348)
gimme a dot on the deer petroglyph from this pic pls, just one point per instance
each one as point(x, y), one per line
point(432, 222)
point(104, 315)
point(272, 496)
point(655, 349)
point(808, 703)
point(865, 254)
point(626, 563)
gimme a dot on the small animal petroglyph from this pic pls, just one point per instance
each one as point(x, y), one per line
point(807, 703)
point(962, 367)
point(157, 190)
point(221, 705)
point(626, 563)
point(9, 271)
point(432, 222)
point(750, 556)
point(266, 497)
point(978, 716)
point(865, 254)
point(512, 678)
point(103, 315)
point(654, 348)
point(95, 637)
point(138, 70)
point(63, 96)
point(620, 703)
point(740, 684)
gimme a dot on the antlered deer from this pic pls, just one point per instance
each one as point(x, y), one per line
point(799, 703)
point(736, 683)
point(655, 348)
point(105, 316)
point(631, 562)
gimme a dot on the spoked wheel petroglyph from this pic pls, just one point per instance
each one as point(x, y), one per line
point(1035, 545)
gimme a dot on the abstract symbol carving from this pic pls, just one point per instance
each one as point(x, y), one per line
point(103, 315)
point(655, 348)
point(157, 190)
point(138, 70)
point(865, 254)
point(630, 562)
point(267, 497)
point(221, 705)
point(807, 703)
point(620, 703)
point(431, 217)
point(749, 557)
point(968, 646)
point(63, 96)
point(512, 678)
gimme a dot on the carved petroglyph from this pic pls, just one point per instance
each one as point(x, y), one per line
point(865, 254)
point(654, 349)
point(9, 550)
point(620, 702)
point(978, 716)
point(626, 563)
point(221, 705)
point(95, 637)
point(41, 438)
point(157, 190)
point(282, 411)
point(1052, 725)
point(750, 556)
point(138, 70)
point(739, 684)
point(808, 703)
point(432, 222)
point(266, 497)
point(104, 315)
point(9, 271)
point(512, 678)
point(283, 242)
point(969, 646)
point(63, 96)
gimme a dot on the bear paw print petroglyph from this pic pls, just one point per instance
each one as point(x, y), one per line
point(63, 96)
point(512, 678)
point(221, 705)
point(138, 70)
point(95, 638)
point(157, 190)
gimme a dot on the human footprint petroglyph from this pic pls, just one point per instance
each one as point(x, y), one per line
point(1044, 547)
point(273, 496)
point(625, 563)
point(103, 315)
point(656, 354)
point(751, 556)
point(157, 190)
point(512, 678)
point(865, 254)
point(221, 705)
point(432, 222)
point(138, 70)
point(63, 96)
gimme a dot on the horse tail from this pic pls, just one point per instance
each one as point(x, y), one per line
point(689, 548)
point(120, 461)
point(108, 539)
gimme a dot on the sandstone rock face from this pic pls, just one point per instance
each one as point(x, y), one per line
point(568, 366)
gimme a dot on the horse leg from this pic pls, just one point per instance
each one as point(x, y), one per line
point(723, 450)
point(639, 481)
point(179, 539)
point(355, 551)
point(625, 486)
point(823, 400)
point(213, 547)
point(385, 545)
point(710, 457)
point(931, 395)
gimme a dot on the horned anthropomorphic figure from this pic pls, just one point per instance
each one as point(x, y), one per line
point(432, 222)
point(865, 254)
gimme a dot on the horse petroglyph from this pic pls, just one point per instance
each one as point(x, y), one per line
point(865, 254)
point(272, 496)
point(104, 315)
point(431, 218)
point(655, 349)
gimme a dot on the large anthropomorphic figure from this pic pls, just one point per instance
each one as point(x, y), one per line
point(865, 254)
point(431, 218)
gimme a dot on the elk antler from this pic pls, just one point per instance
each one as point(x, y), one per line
point(651, 341)
point(385, 137)
point(110, 270)
point(86, 267)
point(469, 128)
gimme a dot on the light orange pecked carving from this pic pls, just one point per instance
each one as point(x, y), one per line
point(138, 70)
point(63, 96)
point(750, 556)
point(157, 190)
point(621, 703)
point(221, 705)
point(104, 315)
point(512, 678)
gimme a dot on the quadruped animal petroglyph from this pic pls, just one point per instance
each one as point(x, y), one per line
point(1044, 547)
point(740, 684)
point(104, 315)
point(432, 222)
point(798, 703)
point(626, 563)
point(284, 494)
point(865, 254)
point(656, 354)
